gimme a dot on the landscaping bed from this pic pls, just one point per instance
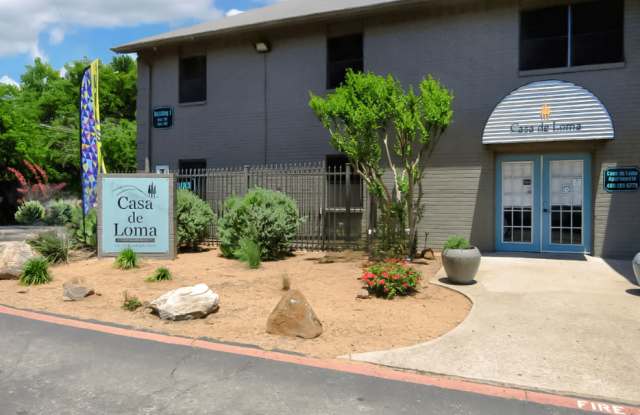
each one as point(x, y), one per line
point(247, 296)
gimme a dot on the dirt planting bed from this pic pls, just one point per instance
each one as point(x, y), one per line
point(247, 297)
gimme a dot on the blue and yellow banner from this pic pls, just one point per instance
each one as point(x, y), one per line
point(90, 152)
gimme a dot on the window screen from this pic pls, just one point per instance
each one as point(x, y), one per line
point(193, 79)
point(597, 35)
point(343, 53)
point(544, 38)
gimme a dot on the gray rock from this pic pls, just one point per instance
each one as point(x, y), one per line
point(636, 267)
point(13, 255)
point(72, 291)
point(186, 303)
point(363, 294)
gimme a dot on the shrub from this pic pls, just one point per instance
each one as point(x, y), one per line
point(127, 259)
point(390, 278)
point(267, 217)
point(194, 218)
point(160, 274)
point(30, 212)
point(58, 213)
point(84, 233)
point(35, 272)
point(249, 252)
point(130, 302)
point(456, 242)
point(54, 248)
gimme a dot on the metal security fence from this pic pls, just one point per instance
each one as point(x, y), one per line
point(332, 200)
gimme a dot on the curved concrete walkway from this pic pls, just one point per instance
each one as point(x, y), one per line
point(567, 325)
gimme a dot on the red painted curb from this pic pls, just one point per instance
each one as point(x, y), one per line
point(364, 369)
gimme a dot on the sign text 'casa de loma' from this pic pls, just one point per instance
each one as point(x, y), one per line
point(136, 211)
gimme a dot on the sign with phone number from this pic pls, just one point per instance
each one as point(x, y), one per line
point(622, 179)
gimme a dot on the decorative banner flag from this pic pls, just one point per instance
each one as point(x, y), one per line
point(90, 154)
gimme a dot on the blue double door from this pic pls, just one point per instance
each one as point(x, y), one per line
point(543, 203)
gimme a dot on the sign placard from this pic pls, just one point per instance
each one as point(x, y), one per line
point(622, 179)
point(548, 111)
point(136, 211)
point(162, 117)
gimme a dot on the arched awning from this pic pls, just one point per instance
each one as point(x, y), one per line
point(548, 111)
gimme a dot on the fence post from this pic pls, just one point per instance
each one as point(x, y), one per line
point(246, 179)
point(347, 206)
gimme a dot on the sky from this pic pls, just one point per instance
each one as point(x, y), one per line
point(60, 31)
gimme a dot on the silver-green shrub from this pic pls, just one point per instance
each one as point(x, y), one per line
point(194, 218)
point(268, 218)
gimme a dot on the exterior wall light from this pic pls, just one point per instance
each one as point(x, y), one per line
point(262, 47)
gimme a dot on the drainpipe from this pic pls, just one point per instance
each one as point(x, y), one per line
point(266, 111)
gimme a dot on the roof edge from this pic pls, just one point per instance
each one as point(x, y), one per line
point(142, 44)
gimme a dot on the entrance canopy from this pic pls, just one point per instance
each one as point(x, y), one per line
point(548, 111)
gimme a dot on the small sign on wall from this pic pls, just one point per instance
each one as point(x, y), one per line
point(622, 179)
point(136, 211)
point(162, 117)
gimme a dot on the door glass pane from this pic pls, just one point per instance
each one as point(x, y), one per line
point(517, 198)
point(566, 193)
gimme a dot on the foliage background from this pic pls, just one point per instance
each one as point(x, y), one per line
point(39, 122)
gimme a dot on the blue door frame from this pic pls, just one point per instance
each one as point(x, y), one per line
point(541, 216)
point(547, 245)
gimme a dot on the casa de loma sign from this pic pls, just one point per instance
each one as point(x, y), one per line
point(545, 125)
point(548, 111)
point(136, 211)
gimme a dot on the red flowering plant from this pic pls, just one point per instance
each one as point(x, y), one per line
point(42, 190)
point(390, 278)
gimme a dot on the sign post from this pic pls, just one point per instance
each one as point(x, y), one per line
point(137, 211)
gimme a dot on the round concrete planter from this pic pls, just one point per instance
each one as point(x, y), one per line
point(636, 267)
point(461, 265)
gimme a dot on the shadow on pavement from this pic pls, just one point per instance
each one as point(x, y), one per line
point(622, 267)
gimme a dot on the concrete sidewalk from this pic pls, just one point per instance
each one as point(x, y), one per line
point(566, 325)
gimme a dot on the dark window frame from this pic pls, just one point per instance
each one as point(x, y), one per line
point(332, 83)
point(183, 97)
point(571, 45)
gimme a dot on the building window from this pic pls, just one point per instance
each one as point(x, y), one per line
point(193, 79)
point(343, 52)
point(584, 33)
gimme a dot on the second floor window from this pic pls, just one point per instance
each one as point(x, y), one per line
point(343, 52)
point(193, 79)
point(584, 33)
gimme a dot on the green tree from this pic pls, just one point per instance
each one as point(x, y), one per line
point(379, 125)
point(39, 120)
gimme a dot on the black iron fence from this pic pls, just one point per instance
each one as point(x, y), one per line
point(332, 200)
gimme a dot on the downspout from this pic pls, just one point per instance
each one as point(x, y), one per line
point(266, 111)
point(148, 161)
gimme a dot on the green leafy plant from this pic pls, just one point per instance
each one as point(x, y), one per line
point(267, 217)
point(30, 212)
point(248, 251)
point(127, 259)
point(84, 233)
point(456, 242)
point(160, 274)
point(390, 278)
point(130, 302)
point(51, 246)
point(35, 272)
point(194, 219)
point(381, 127)
point(58, 213)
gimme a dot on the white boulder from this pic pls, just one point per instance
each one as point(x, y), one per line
point(186, 303)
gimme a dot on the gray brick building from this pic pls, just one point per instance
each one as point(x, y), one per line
point(546, 106)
